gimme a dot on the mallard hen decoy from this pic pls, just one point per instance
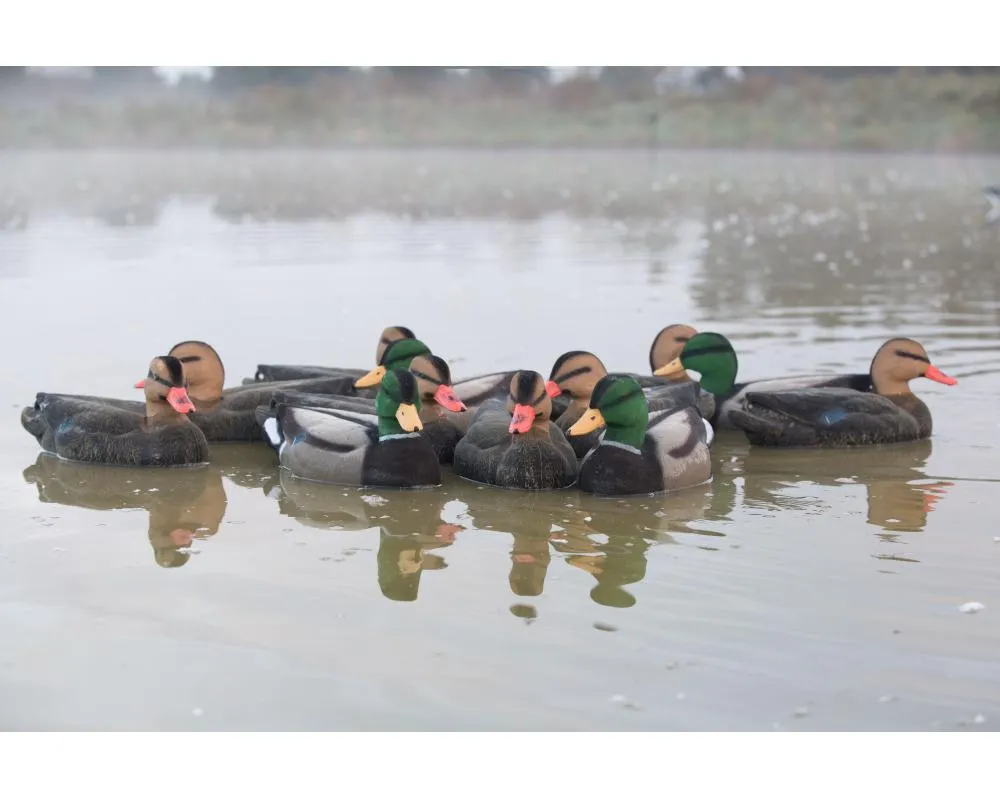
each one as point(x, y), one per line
point(514, 445)
point(838, 417)
point(159, 435)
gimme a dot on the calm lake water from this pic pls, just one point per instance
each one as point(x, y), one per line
point(800, 590)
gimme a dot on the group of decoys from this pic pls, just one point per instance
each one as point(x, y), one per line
point(399, 423)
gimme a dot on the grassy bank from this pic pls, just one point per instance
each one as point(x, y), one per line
point(910, 111)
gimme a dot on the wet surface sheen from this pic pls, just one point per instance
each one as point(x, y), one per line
point(800, 590)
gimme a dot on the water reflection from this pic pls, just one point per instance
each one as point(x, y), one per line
point(410, 524)
point(899, 495)
point(607, 538)
point(183, 504)
point(783, 237)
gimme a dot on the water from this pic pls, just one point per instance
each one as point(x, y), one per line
point(800, 590)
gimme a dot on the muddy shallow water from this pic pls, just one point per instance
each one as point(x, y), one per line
point(799, 590)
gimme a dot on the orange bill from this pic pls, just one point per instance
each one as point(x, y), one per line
point(179, 400)
point(937, 375)
point(445, 396)
point(522, 419)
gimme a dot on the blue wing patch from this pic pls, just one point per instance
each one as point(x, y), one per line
point(833, 416)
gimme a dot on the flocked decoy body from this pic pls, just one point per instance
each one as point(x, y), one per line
point(514, 445)
point(159, 434)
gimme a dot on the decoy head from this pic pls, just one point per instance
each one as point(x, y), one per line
point(528, 403)
point(434, 382)
point(391, 334)
point(203, 369)
point(711, 355)
point(666, 349)
point(575, 373)
point(900, 360)
point(165, 384)
point(617, 403)
point(398, 402)
point(397, 355)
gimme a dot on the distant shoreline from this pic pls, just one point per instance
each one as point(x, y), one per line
point(236, 148)
point(917, 114)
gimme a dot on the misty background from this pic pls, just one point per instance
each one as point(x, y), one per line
point(886, 109)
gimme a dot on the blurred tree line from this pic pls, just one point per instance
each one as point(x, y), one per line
point(618, 78)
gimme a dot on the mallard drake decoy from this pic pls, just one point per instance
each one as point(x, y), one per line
point(353, 448)
point(513, 445)
point(837, 417)
point(639, 452)
point(576, 373)
point(439, 404)
point(396, 355)
point(287, 372)
point(159, 435)
point(712, 355)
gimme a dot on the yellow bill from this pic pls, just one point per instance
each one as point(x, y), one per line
point(409, 418)
point(675, 367)
point(373, 378)
point(591, 420)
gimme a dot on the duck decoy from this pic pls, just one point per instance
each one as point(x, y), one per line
point(712, 355)
point(666, 347)
point(353, 448)
point(228, 415)
point(513, 444)
point(285, 372)
point(396, 355)
point(224, 415)
point(92, 431)
point(640, 452)
point(837, 417)
point(439, 404)
point(576, 373)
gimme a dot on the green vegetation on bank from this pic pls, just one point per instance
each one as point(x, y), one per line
point(906, 111)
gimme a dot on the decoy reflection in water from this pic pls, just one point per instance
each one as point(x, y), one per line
point(900, 494)
point(156, 434)
point(410, 524)
point(183, 506)
point(607, 537)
